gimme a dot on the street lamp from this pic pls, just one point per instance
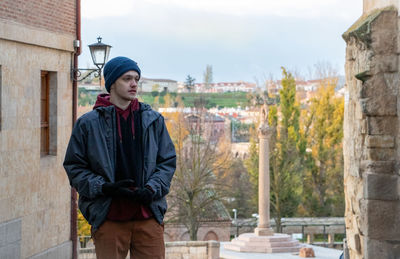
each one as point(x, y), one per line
point(99, 52)
point(235, 222)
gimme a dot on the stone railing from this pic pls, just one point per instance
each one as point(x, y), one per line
point(307, 227)
point(192, 250)
point(173, 250)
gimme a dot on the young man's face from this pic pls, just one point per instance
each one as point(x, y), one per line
point(126, 86)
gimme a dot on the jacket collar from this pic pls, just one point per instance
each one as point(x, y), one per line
point(148, 115)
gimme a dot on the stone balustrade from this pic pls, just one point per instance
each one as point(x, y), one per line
point(192, 250)
point(173, 250)
point(308, 227)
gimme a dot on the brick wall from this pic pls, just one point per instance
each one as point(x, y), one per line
point(52, 15)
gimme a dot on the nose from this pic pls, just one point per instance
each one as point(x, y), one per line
point(134, 83)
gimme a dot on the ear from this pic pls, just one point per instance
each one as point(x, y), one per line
point(112, 88)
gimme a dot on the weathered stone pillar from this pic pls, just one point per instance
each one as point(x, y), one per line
point(310, 238)
point(371, 133)
point(263, 240)
point(331, 239)
point(263, 228)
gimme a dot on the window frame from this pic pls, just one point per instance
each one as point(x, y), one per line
point(44, 113)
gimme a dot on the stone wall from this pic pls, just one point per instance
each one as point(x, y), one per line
point(192, 250)
point(371, 152)
point(370, 5)
point(218, 231)
point(34, 190)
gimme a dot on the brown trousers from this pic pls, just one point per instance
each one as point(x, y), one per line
point(144, 239)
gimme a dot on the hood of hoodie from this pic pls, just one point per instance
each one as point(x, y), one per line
point(103, 100)
point(148, 115)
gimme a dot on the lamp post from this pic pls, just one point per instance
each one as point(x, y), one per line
point(99, 52)
point(235, 222)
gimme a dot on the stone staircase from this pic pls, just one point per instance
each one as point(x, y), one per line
point(277, 243)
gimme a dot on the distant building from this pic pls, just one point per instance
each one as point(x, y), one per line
point(305, 89)
point(225, 87)
point(148, 84)
point(209, 125)
point(36, 116)
point(301, 85)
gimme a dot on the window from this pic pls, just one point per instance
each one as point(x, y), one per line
point(44, 114)
point(48, 113)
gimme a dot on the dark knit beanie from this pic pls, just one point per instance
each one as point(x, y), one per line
point(116, 67)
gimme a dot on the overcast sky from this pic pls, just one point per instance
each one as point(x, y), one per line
point(241, 39)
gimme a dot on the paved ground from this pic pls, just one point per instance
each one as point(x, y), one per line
point(320, 253)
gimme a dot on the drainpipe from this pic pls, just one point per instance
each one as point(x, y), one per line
point(74, 207)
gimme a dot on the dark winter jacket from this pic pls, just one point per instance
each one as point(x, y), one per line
point(91, 155)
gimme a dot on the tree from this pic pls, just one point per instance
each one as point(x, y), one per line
point(154, 90)
point(189, 83)
point(84, 97)
point(195, 188)
point(251, 164)
point(168, 102)
point(83, 229)
point(156, 102)
point(285, 166)
point(323, 174)
point(238, 188)
point(208, 76)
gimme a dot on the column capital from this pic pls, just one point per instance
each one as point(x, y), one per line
point(265, 131)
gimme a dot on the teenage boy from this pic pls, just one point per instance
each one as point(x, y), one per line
point(121, 160)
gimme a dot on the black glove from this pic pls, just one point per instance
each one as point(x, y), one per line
point(117, 188)
point(143, 195)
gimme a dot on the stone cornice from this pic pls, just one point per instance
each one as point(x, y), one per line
point(16, 32)
point(361, 29)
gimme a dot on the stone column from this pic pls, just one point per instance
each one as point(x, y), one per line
point(264, 134)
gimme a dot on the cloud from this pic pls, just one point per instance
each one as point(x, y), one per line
point(282, 8)
point(239, 38)
point(92, 9)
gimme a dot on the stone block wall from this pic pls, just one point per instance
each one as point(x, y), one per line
point(10, 239)
point(370, 5)
point(192, 250)
point(218, 231)
point(371, 134)
point(34, 190)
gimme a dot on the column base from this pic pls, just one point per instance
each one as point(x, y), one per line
point(264, 232)
point(251, 243)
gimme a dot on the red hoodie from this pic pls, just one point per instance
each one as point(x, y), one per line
point(123, 209)
point(103, 100)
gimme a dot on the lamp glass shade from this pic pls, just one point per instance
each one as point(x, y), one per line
point(99, 52)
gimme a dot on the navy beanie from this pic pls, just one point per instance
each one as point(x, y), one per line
point(116, 67)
